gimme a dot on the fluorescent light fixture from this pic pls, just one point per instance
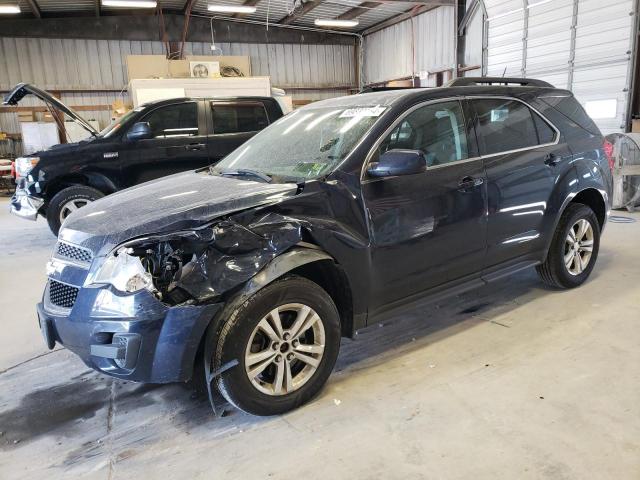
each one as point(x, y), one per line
point(331, 22)
point(9, 9)
point(231, 8)
point(130, 3)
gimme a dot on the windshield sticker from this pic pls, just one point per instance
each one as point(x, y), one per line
point(363, 112)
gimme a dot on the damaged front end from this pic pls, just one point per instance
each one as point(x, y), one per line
point(198, 266)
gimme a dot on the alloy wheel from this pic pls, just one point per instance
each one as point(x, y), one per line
point(578, 247)
point(72, 206)
point(285, 349)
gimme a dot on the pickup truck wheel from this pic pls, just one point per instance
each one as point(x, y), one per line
point(67, 201)
point(574, 248)
point(286, 339)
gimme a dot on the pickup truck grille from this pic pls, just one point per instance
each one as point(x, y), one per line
point(62, 295)
point(78, 254)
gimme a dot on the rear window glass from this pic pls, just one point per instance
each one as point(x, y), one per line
point(238, 117)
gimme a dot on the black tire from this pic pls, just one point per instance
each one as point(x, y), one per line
point(76, 192)
point(236, 332)
point(553, 271)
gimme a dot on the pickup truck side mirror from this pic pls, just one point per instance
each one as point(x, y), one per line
point(398, 162)
point(140, 131)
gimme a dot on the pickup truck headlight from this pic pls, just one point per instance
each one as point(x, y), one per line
point(124, 271)
point(25, 164)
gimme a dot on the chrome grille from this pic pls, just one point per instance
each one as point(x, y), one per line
point(62, 295)
point(78, 254)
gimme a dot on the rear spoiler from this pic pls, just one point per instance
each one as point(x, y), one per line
point(475, 81)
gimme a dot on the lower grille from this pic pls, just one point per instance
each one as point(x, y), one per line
point(62, 295)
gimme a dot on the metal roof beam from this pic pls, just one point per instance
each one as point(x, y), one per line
point(35, 8)
point(301, 12)
point(247, 3)
point(359, 10)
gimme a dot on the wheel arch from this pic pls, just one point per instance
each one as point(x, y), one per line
point(95, 180)
point(311, 263)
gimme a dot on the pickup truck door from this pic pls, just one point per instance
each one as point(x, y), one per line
point(179, 143)
point(429, 228)
point(231, 123)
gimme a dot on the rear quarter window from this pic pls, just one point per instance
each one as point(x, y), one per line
point(571, 109)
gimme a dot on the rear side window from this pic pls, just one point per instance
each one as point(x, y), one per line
point(504, 125)
point(238, 117)
point(546, 134)
point(437, 130)
point(178, 120)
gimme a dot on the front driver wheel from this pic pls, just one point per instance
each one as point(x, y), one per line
point(573, 250)
point(286, 340)
point(68, 201)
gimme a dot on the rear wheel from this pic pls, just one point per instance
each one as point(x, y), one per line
point(286, 340)
point(67, 201)
point(574, 248)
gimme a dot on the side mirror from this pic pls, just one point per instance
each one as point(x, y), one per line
point(140, 131)
point(398, 162)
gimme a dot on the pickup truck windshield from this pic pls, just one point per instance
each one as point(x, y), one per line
point(115, 125)
point(306, 144)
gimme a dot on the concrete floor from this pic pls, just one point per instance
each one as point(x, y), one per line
point(510, 381)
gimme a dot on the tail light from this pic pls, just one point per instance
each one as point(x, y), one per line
point(607, 146)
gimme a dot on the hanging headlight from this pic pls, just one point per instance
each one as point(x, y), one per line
point(124, 271)
point(25, 164)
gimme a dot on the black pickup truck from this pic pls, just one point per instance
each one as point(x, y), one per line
point(151, 141)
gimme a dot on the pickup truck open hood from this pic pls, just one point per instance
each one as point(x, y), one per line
point(23, 89)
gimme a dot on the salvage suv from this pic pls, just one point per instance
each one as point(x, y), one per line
point(338, 214)
point(152, 141)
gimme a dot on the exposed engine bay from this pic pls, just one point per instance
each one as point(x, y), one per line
point(200, 265)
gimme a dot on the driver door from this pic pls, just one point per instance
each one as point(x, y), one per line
point(429, 228)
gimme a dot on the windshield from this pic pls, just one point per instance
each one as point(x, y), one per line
point(117, 123)
point(305, 144)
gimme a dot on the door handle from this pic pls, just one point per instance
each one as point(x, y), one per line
point(552, 159)
point(194, 146)
point(467, 183)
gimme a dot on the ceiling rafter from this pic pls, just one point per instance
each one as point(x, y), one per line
point(359, 10)
point(247, 3)
point(35, 8)
point(300, 12)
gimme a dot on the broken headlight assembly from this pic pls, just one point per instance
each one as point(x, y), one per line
point(124, 271)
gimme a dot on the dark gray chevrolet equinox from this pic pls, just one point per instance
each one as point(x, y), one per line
point(333, 216)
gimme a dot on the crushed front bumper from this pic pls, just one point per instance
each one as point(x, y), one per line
point(158, 345)
point(24, 205)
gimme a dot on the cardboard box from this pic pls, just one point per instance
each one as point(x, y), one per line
point(147, 66)
point(241, 62)
point(26, 116)
point(157, 66)
point(635, 125)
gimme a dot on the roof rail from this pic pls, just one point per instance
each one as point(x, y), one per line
point(523, 82)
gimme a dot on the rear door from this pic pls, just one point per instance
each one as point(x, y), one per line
point(429, 228)
point(179, 143)
point(524, 158)
point(233, 122)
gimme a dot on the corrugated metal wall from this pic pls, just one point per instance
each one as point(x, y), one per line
point(75, 64)
point(583, 45)
point(388, 52)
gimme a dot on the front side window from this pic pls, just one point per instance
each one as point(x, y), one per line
point(178, 120)
point(505, 125)
point(238, 117)
point(437, 130)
